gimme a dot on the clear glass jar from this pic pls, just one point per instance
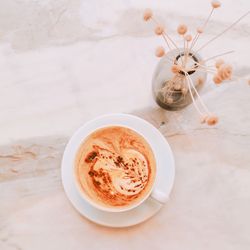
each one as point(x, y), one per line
point(171, 91)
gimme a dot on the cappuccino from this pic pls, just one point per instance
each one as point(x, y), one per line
point(115, 167)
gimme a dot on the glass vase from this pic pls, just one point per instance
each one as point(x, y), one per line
point(172, 90)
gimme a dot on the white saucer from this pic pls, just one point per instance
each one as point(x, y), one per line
point(164, 177)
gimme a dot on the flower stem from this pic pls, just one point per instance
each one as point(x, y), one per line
point(224, 31)
point(191, 94)
point(222, 54)
point(203, 28)
point(201, 101)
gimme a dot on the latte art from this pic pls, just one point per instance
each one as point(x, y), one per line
point(115, 166)
point(116, 174)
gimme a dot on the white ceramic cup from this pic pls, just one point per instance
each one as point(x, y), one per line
point(140, 126)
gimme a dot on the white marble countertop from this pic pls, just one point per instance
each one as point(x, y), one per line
point(64, 62)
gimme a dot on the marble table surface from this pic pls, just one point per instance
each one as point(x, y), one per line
point(64, 62)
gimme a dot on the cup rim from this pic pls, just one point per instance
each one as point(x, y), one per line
point(89, 200)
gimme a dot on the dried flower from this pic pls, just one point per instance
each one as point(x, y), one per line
point(218, 63)
point(186, 85)
point(199, 30)
point(182, 29)
point(159, 30)
point(212, 120)
point(217, 79)
point(215, 4)
point(159, 52)
point(147, 15)
point(225, 71)
point(188, 38)
point(176, 68)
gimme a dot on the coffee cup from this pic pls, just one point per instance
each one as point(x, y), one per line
point(115, 182)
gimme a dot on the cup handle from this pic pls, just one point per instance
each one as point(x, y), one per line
point(159, 196)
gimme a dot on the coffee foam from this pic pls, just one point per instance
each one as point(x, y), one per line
point(115, 166)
